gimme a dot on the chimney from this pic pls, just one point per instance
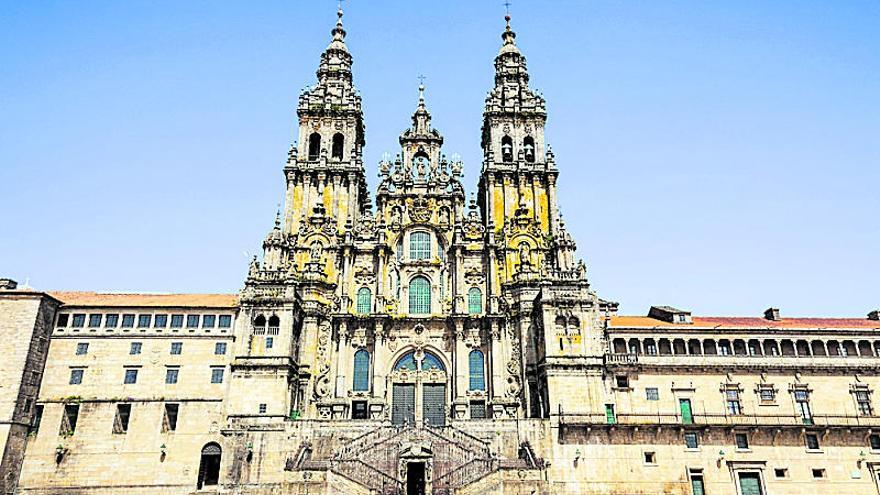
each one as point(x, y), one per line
point(772, 314)
point(8, 284)
point(874, 315)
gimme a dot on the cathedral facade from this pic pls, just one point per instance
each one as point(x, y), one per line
point(427, 343)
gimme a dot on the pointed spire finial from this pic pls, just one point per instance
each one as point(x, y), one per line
point(421, 90)
point(278, 218)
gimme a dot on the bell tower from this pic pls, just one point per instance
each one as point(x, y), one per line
point(517, 171)
point(327, 165)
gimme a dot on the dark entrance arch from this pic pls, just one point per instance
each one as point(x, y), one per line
point(209, 466)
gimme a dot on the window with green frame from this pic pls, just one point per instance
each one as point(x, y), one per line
point(364, 301)
point(420, 246)
point(419, 296)
point(475, 301)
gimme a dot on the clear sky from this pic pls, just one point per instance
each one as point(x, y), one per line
point(721, 157)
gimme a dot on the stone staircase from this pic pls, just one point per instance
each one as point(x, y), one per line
point(373, 459)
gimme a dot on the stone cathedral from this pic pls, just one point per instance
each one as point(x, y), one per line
point(424, 342)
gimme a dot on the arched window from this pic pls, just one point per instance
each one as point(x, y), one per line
point(259, 325)
point(209, 466)
point(420, 246)
point(361, 371)
point(475, 301)
point(364, 301)
point(430, 362)
point(336, 152)
point(408, 362)
point(529, 149)
point(506, 149)
point(314, 146)
point(477, 370)
point(420, 296)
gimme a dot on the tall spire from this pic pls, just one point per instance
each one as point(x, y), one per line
point(338, 33)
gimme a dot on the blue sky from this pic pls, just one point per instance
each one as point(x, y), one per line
point(716, 156)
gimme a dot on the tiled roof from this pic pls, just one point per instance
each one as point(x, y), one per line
point(146, 300)
point(745, 322)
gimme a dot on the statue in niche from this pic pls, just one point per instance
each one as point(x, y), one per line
point(525, 257)
point(315, 252)
point(422, 163)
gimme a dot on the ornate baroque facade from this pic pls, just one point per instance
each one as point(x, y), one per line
point(430, 344)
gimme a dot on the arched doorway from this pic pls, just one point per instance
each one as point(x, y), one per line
point(418, 389)
point(209, 466)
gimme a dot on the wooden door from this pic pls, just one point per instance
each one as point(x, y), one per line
point(403, 404)
point(434, 404)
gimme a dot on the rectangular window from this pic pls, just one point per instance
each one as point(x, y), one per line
point(697, 485)
point(610, 417)
point(818, 473)
point(176, 321)
point(359, 410)
point(131, 376)
point(135, 348)
point(691, 441)
point(217, 375)
point(767, 393)
point(863, 402)
point(37, 419)
point(724, 349)
point(208, 321)
point(812, 441)
point(62, 320)
point(171, 375)
point(220, 348)
point(651, 349)
point(742, 440)
point(82, 348)
point(270, 342)
point(120, 422)
point(652, 393)
point(68, 420)
point(111, 321)
point(225, 321)
point(192, 321)
point(750, 484)
point(169, 420)
point(478, 409)
point(874, 440)
point(780, 473)
point(176, 348)
point(802, 405)
point(734, 407)
point(622, 381)
point(160, 321)
point(420, 246)
point(650, 457)
point(95, 321)
point(76, 376)
point(127, 321)
point(262, 408)
point(79, 320)
point(144, 321)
